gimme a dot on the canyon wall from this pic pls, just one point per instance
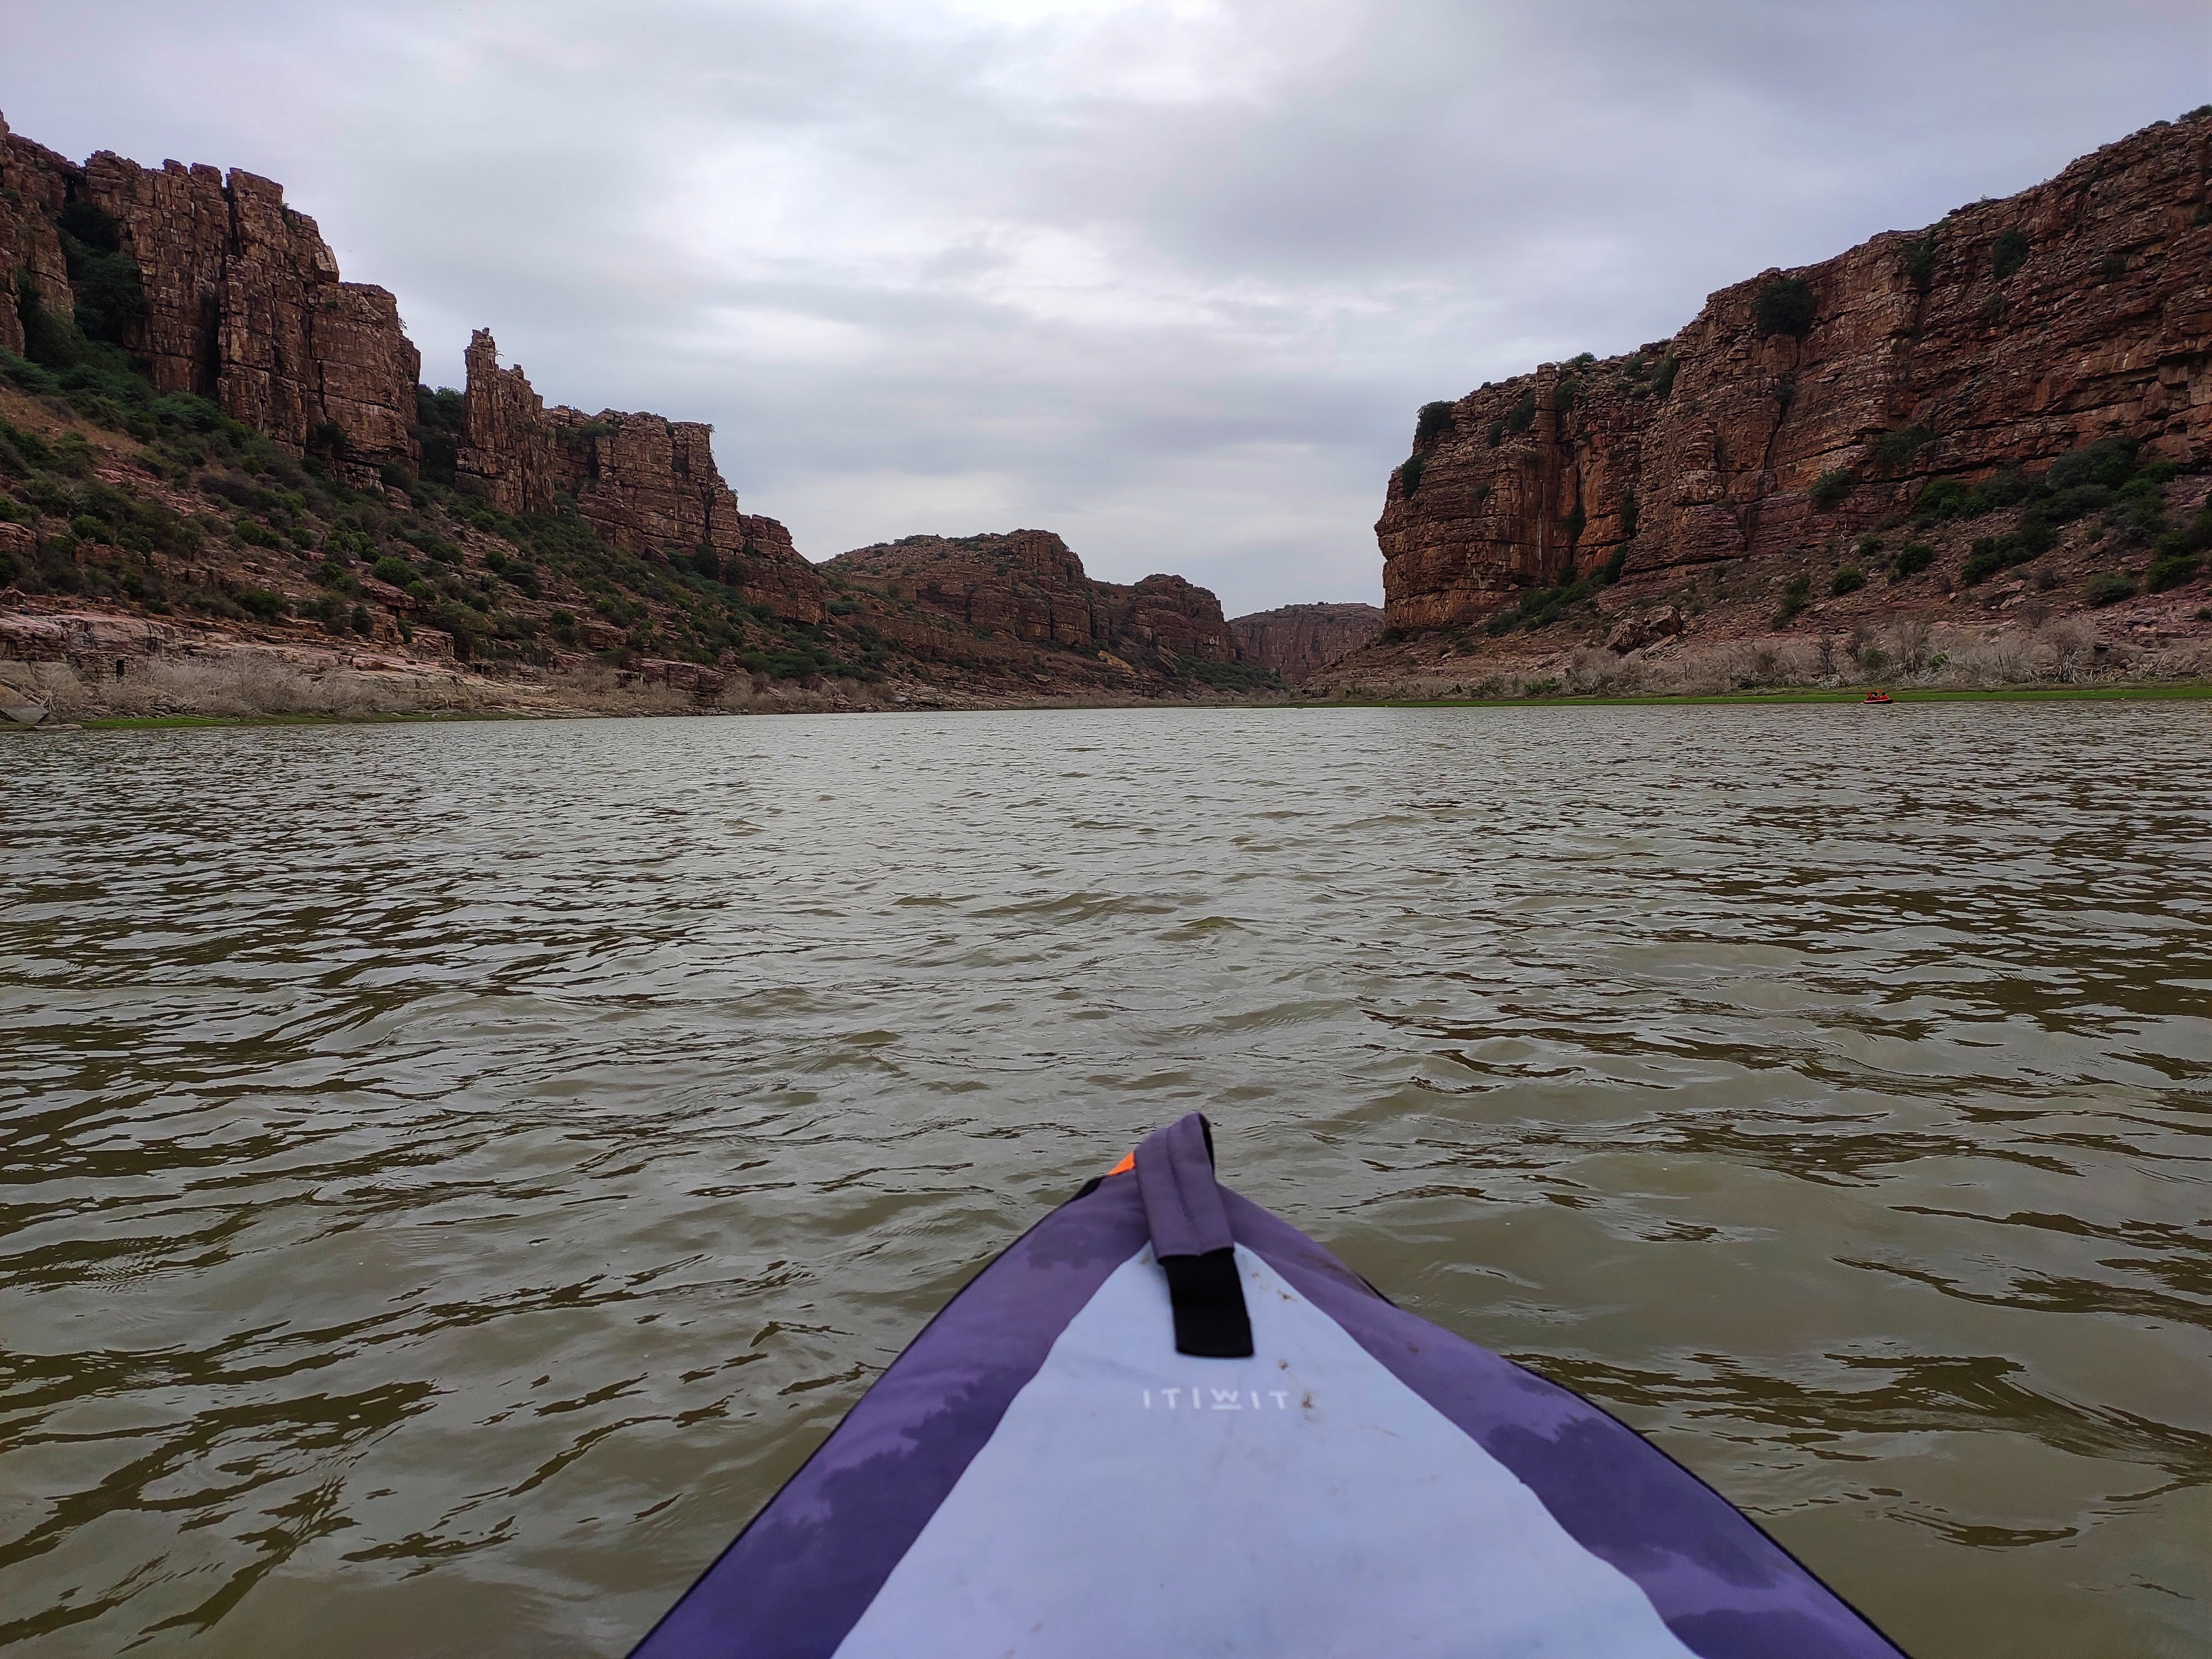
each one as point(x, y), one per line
point(1294, 640)
point(1803, 406)
point(1027, 586)
point(646, 484)
point(238, 299)
point(210, 284)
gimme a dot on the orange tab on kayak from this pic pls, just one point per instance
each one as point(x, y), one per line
point(1128, 1162)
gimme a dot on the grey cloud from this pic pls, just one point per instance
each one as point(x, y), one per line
point(1167, 277)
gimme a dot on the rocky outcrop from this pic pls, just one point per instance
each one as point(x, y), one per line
point(506, 445)
point(1026, 587)
point(1804, 406)
point(1294, 640)
point(646, 484)
point(34, 190)
point(1633, 633)
point(210, 284)
point(240, 299)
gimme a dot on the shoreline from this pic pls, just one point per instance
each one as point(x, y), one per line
point(2192, 691)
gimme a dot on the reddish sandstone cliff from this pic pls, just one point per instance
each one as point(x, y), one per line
point(646, 484)
point(2009, 333)
point(1294, 640)
point(999, 595)
point(187, 280)
point(34, 189)
point(241, 300)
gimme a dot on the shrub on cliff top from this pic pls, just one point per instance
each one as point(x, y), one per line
point(1920, 261)
point(1434, 421)
point(1783, 305)
point(1522, 414)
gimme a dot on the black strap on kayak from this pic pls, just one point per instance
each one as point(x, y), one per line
point(1190, 1235)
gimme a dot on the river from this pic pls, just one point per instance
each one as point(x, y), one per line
point(454, 1173)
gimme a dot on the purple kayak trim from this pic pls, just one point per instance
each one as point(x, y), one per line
point(1182, 1199)
point(1724, 1587)
point(796, 1579)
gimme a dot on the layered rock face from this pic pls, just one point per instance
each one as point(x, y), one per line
point(1028, 587)
point(2009, 333)
point(1294, 640)
point(646, 484)
point(34, 190)
point(242, 301)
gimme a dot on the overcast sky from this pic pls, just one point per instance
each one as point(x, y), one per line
point(1169, 278)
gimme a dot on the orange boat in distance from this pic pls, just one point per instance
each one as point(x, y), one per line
point(1879, 695)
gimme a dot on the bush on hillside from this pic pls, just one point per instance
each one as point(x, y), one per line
point(2108, 461)
point(1894, 450)
point(1829, 489)
point(1795, 593)
point(1991, 554)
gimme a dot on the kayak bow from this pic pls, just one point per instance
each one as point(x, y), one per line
point(1164, 1422)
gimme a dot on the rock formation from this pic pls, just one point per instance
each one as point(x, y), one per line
point(646, 484)
point(1804, 406)
point(34, 190)
point(238, 299)
point(118, 279)
point(1027, 587)
point(1294, 640)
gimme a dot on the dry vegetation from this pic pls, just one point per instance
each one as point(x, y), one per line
point(2061, 651)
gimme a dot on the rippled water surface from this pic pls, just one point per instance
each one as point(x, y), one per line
point(453, 1173)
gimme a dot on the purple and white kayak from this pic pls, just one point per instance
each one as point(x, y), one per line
point(1165, 1423)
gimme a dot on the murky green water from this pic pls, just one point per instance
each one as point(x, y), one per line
point(453, 1173)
